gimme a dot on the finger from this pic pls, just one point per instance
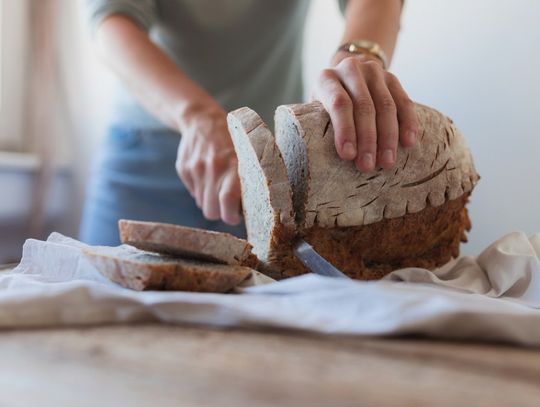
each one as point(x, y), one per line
point(210, 204)
point(408, 120)
point(197, 170)
point(182, 170)
point(185, 176)
point(230, 198)
point(387, 121)
point(364, 114)
point(338, 103)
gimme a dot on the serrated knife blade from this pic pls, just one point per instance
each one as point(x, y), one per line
point(314, 261)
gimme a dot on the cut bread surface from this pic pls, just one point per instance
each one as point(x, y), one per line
point(139, 270)
point(290, 141)
point(266, 191)
point(187, 242)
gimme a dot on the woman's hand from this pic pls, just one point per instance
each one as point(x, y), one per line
point(207, 163)
point(369, 109)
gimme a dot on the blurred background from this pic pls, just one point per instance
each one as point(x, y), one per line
point(476, 61)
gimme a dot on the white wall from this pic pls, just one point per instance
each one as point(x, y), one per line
point(479, 63)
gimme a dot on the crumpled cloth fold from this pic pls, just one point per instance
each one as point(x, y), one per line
point(493, 297)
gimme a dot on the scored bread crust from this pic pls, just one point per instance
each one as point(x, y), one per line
point(439, 168)
point(139, 270)
point(187, 242)
point(427, 239)
point(268, 210)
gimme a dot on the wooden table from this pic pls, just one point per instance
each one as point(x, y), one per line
point(162, 365)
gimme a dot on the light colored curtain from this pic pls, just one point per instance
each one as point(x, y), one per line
point(47, 122)
point(66, 113)
point(14, 70)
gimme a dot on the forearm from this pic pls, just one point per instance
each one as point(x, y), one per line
point(374, 20)
point(151, 75)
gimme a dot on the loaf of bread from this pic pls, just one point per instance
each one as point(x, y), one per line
point(366, 224)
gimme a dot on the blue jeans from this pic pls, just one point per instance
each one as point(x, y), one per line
point(134, 177)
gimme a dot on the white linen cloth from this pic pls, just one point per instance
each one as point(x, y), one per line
point(495, 296)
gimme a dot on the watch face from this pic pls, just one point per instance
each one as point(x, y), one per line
point(360, 46)
point(366, 44)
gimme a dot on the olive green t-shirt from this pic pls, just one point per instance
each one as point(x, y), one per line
point(243, 52)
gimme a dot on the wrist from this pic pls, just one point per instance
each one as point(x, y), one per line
point(199, 110)
point(364, 57)
point(365, 48)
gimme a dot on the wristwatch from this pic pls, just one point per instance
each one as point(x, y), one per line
point(365, 47)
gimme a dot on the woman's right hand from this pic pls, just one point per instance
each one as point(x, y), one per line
point(206, 161)
point(207, 164)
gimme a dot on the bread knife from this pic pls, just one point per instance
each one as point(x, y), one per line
point(314, 261)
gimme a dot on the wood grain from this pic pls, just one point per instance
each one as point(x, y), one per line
point(172, 365)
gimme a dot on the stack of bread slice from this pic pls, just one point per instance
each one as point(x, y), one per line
point(160, 256)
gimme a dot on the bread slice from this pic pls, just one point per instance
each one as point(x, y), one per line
point(368, 224)
point(266, 191)
point(186, 242)
point(139, 270)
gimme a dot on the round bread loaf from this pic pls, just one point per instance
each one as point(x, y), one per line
point(368, 224)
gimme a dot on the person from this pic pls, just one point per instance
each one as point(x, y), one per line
point(168, 156)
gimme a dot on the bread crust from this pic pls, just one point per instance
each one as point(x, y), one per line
point(437, 169)
point(427, 239)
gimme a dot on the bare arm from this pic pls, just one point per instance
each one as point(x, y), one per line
point(206, 159)
point(375, 20)
point(160, 86)
point(369, 109)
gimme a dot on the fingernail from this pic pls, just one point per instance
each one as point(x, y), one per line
point(388, 156)
point(367, 160)
point(412, 136)
point(349, 151)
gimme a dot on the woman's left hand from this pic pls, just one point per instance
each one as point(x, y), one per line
point(369, 109)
